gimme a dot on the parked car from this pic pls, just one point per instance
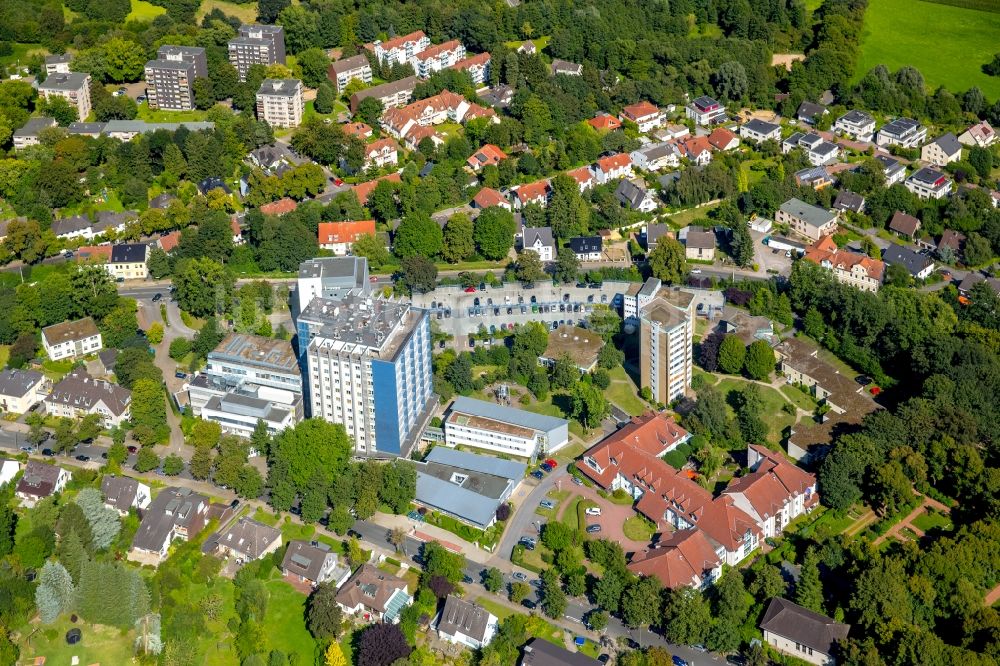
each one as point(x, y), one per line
point(527, 542)
point(83, 458)
point(470, 290)
point(537, 474)
point(678, 661)
point(551, 463)
point(604, 658)
point(27, 449)
point(528, 603)
point(593, 511)
point(235, 503)
point(467, 579)
point(517, 575)
point(48, 452)
point(133, 449)
point(546, 467)
point(547, 504)
point(593, 529)
point(577, 481)
point(180, 375)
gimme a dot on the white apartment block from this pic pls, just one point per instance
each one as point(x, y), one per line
point(73, 86)
point(279, 102)
point(400, 50)
point(438, 57)
point(491, 427)
point(666, 333)
point(342, 72)
point(71, 339)
point(257, 45)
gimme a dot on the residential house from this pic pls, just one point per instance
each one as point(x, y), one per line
point(57, 64)
point(374, 595)
point(604, 122)
point(672, 131)
point(101, 254)
point(528, 47)
point(70, 339)
point(699, 243)
point(951, 244)
point(852, 268)
point(652, 234)
point(162, 201)
point(338, 237)
point(28, 133)
point(810, 112)
point(540, 241)
point(928, 183)
point(280, 102)
point(245, 540)
point(314, 563)
point(904, 132)
point(342, 72)
point(973, 278)
point(849, 201)
point(437, 57)
point(391, 95)
point(40, 481)
point(893, 169)
point(566, 68)
point(381, 153)
point(613, 167)
point(696, 149)
point(358, 130)
point(8, 470)
point(488, 155)
point(943, 150)
point(93, 130)
point(128, 261)
point(758, 130)
point(213, 183)
point(274, 158)
point(856, 124)
point(536, 193)
point(808, 220)
point(981, 134)
point(634, 195)
point(644, 114)
point(74, 87)
point(801, 633)
point(363, 190)
point(488, 197)
point(478, 67)
point(905, 226)
point(540, 652)
point(20, 390)
point(176, 513)
point(107, 359)
point(466, 623)
point(685, 558)
point(818, 151)
point(399, 50)
point(584, 177)
point(705, 111)
point(723, 139)
point(499, 97)
point(919, 266)
point(78, 395)
point(282, 206)
point(656, 156)
point(123, 493)
point(816, 177)
point(775, 492)
point(587, 248)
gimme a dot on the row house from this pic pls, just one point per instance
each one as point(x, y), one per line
point(644, 114)
point(478, 67)
point(584, 177)
point(438, 57)
point(443, 107)
point(338, 237)
point(818, 150)
point(656, 156)
point(856, 124)
point(851, 268)
point(613, 167)
point(399, 50)
point(381, 153)
point(904, 132)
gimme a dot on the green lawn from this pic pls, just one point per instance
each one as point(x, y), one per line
point(285, 622)
point(932, 519)
point(686, 217)
point(4, 355)
point(776, 418)
point(245, 12)
point(19, 51)
point(800, 398)
point(56, 370)
point(540, 43)
point(949, 45)
point(638, 528)
point(100, 644)
point(495, 607)
point(151, 116)
point(144, 11)
point(623, 392)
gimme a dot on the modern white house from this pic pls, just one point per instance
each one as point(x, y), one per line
point(758, 130)
point(70, 339)
point(928, 183)
point(466, 623)
point(904, 132)
point(856, 124)
point(20, 390)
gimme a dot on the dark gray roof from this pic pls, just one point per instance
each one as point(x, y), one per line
point(539, 652)
point(544, 234)
point(847, 200)
point(701, 238)
point(173, 506)
point(705, 102)
point(928, 176)
point(813, 215)
point(586, 244)
point(280, 87)
point(85, 128)
point(466, 485)
point(761, 127)
point(67, 82)
point(16, 382)
point(802, 625)
point(34, 126)
point(39, 479)
point(809, 110)
point(129, 253)
point(213, 183)
point(913, 262)
point(856, 117)
point(565, 67)
point(903, 223)
point(56, 59)
point(119, 491)
point(70, 225)
point(248, 537)
point(507, 469)
point(347, 64)
point(656, 231)
point(948, 143)
point(80, 390)
point(900, 126)
point(305, 558)
point(465, 617)
point(811, 175)
point(889, 164)
point(629, 194)
point(162, 201)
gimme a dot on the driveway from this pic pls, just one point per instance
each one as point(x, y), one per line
point(611, 520)
point(520, 524)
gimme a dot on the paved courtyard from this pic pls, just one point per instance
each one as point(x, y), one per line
point(611, 520)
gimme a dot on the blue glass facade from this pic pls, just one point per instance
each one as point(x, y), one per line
point(402, 388)
point(387, 412)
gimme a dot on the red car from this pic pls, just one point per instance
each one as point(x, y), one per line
point(470, 290)
point(551, 463)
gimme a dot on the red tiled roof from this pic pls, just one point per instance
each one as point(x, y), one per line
point(279, 207)
point(826, 250)
point(652, 433)
point(344, 232)
point(531, 191)
point(396, 42)
point(696, 145)
point(727, 524)
point(234, 224)
point(438, 49)
point(604, 122)
point(472, 61)
point(720, 138)
point(487, 197)
point(97, 254)
point(170, 241)
point(359, 129)
point(612, 162)
point(680, 560)
point(364, 190)
point(488, 154)
point(640, 110)
point(773, 484)
point(377, 146)
point(581, 175)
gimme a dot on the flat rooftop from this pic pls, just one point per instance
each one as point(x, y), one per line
point(579, 344)
point(508, 415)
point(257, 350)
point(362, 322)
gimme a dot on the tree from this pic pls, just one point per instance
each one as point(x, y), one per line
point(529, 267)
point(493, 232)
point(610, 357)
point(457, 243)
point(203, 287)
point(201, 463)
point(335, 656)
point(179, 348)
point(60, 109)
point(809, 588)
point(439, 561)
point(324, 618)
point(146, 460)
point(381, 645)
point(268, 10)
point(370, 110)
point(419, 274)
point(741, 245)
point(564, 373)
point(314, 63)
point(567, 265)
point(732, 354)
point(767, 582)
point(493, 580)
point(993, 66)
point(149, 412)
point(418, 235)
point(981, 160)
point(104, 522)
point(759, 361)
point(399, 485)
point(589, 405)
point(554, 600)
point(558, 536)
point(173, 465)
point(325, 98)
point(372, 249)
point(666, 261)
point(597, 620)
point(55, 593)
point(687, 616)
point(155, 333)
point(518, 592)
point(640, 603)
point(8, 524)
point(731, 82)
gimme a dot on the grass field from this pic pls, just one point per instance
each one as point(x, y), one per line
point(898, 32)
point(623, 392)
point(100, 644)
point(638, 528)
point(151, 116)
point(686, 217)
point(773, 401)
point(19, 51)
point(246, 13)
point(286, 628)
point(931, 519)
point(144, 11)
